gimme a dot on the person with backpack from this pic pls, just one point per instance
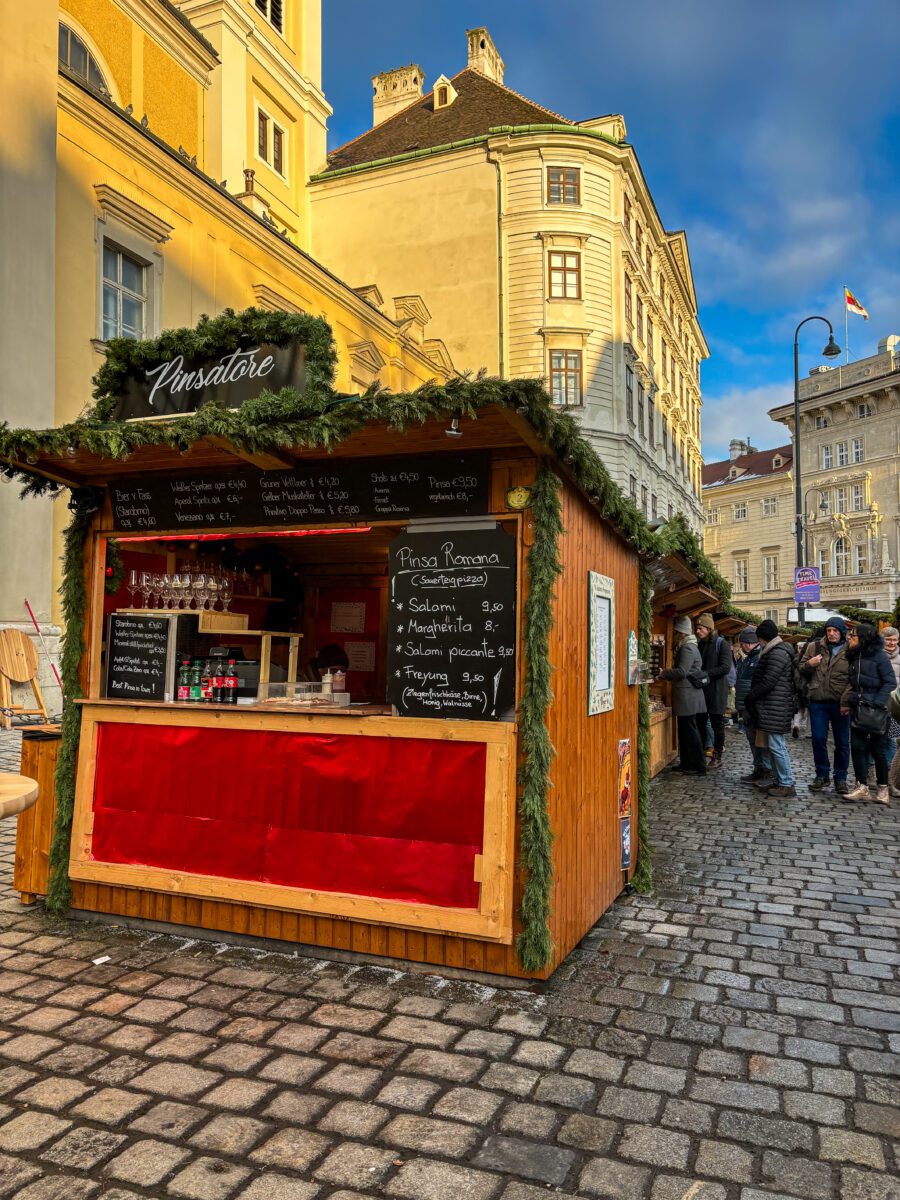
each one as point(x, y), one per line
point(688, 701)
point(715, 656)
point(822, 674)
point(746, 668)
point(865, 701)
point(770, 705)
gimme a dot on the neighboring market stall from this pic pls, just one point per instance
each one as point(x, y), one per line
point(358, 672)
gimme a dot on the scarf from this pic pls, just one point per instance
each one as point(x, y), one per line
point(776, 641)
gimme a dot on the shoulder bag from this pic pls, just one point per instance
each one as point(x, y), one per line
point(869, 718)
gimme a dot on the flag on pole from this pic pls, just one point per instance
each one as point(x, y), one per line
point(853, 305)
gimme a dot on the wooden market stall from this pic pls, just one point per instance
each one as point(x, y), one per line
point(455, 582)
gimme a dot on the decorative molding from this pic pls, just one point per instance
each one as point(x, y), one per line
point(135, 216)
point(268, 298)
point(572, 331)
point(411, 308)
point(366, 361)
point(549, 237)
point(371, 293)
point(439, 355)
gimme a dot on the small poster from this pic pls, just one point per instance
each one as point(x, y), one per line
point(625, 837)
point(360, 656)
point(348, 616)
point(624, 777)
point(601, 642)
point(807, 589)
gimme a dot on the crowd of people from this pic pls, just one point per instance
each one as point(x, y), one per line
point(843, 684)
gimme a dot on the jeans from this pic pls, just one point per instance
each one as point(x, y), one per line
point(761, 759)
point(864, 744)
point(690, 747)
point(781, 762)
point(822, 715)
point(712, 723)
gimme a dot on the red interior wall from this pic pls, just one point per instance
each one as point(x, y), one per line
point(360, 683)
point(398, 818)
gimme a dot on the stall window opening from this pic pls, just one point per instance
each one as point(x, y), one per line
point(565, 275)
point(566, 377)
point(124, 294)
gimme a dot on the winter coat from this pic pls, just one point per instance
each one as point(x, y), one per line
point(894, 660)
point(687, 700)
point(715, 654)
point(827, 680)
point(745, 670)
point(871, 676)
point(770, 700)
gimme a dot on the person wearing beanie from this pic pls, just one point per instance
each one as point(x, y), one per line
point(865, 701)
point(715, 655)
point(891, 639)
point(823, 671)
point(687, 699)
point(750, 648)
point(770, 705)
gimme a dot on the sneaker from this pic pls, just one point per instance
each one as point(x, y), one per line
point(765, 783)
point(715, 762)
point(860, 792)
point(819, 783)
point(778, 789)
point(841, 787)
point(882, 796)
point(710, 752)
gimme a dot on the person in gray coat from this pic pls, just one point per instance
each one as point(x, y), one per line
point(687, 699)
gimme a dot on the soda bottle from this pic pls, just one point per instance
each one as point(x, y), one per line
point(217, 682)
point(196, 694)
point(206, 683)
point(184, 681)
point(231, 683)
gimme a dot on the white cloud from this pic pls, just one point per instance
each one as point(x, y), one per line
point(743, 413)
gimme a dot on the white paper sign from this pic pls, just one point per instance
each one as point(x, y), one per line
point(360, 656)
point(348, 616)
point(601, 642)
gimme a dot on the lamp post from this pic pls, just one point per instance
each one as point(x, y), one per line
point(809, 520)
point(832, 350)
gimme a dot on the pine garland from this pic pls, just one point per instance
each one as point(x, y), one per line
point(534, 944)
point(115, 569)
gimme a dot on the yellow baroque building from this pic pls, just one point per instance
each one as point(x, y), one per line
point(154, 169)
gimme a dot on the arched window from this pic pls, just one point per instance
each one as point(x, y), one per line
point(74, 54)
point(842, 556)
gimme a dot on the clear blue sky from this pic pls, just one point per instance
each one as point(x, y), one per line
point(770, 131)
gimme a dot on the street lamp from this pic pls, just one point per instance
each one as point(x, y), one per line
point(810, 518)
point(832, 350)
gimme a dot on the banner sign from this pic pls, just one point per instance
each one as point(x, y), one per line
point(176, 386)
point(807, 585)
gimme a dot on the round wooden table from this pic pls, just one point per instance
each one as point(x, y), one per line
point(17, 792)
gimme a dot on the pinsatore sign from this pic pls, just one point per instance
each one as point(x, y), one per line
point(176, 385)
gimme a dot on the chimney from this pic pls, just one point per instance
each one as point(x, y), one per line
point(395, 90)
point(738, 448)
point(483, 54)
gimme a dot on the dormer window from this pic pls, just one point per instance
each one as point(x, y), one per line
point(444, 93)
point(777, 462)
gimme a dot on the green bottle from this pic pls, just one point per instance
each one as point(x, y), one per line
point(195, 681)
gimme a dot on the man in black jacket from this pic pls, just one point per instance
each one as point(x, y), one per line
point(746, 668)
point(715, 654)
point(770, 704)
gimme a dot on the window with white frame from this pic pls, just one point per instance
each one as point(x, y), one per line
point(74, 54)
point(273, 11)
point(840, 500)
point(739, 511)
point(821, 421)
point(271, 142)
point(712, 516)
point(565, 275)
point(858, 454)
point(864, 409)
point(124, 294)
point(843, 454)
point(827, 458)
point(770, 506)
point(644, 495)
point(629, 394)
point(857, 497)
point(770, 573)
point(632, 487)
point(741, 574)
point(824, 563)
point(841, 556)
point(771, 614)
point(654, 506)
point(861, 558)
point(565, 377)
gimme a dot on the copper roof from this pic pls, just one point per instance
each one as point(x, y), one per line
point(761, 462)
point(480, 105)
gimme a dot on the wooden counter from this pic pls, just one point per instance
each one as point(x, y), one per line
point(663, 748)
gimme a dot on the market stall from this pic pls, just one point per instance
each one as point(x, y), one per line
point(361, 673)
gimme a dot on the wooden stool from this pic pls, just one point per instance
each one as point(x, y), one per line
point(18, 664)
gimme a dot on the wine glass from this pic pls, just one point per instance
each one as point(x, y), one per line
point(200, 592)
point(212, 584)
point(225, 592)
point(158, 589)
point(146, 587)
point(134, 585)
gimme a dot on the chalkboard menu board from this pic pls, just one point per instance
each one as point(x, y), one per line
point(137, 657)
point(440, 485)
point(452, 624)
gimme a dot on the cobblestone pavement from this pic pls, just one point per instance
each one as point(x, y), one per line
point(729, 1038)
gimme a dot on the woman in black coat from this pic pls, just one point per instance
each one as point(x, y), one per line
point(871, 678)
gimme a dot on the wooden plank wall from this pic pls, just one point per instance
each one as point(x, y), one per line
point(583, 800)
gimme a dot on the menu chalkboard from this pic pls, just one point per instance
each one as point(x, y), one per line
point(440, 485)
point(137, 657)
point(452, 624)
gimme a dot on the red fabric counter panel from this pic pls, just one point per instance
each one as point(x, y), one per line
point(395, 818)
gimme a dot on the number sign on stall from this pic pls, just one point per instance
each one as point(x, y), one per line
point(445, 485)
point(137, 657)
point(452, 624)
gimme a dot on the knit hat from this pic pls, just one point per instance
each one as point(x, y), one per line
point(682, 625)
point(748, 636)
point(837, 623)
point(766, 631)
point(707, 622)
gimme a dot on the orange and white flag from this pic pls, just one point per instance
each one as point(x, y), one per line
point(853, 305)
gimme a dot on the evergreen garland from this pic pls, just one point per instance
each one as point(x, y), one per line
point(870, 615)
point(115, 570)
point(534, 944)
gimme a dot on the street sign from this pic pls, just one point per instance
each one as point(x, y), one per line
point(806, 585)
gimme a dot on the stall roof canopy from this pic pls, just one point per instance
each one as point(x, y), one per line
point(277, 429)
